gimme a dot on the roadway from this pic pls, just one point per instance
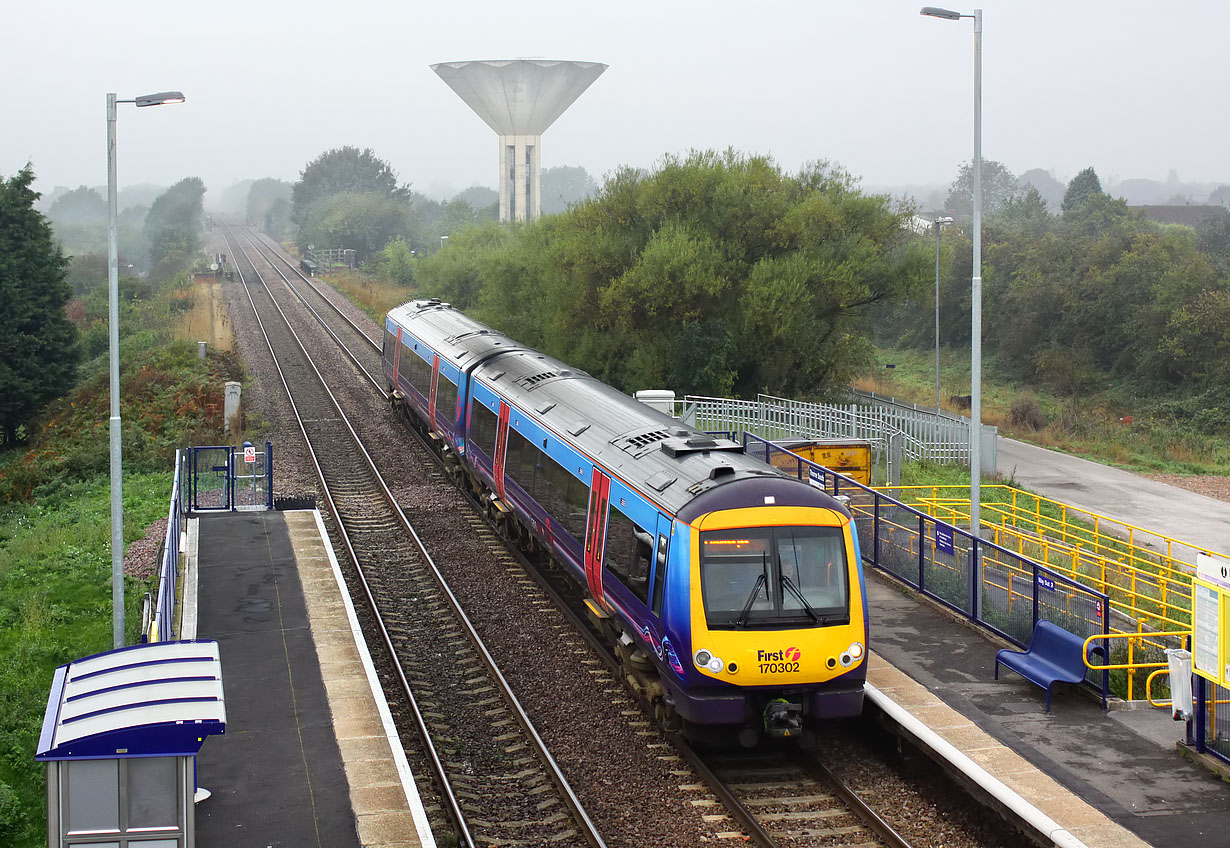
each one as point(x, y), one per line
point(1196, 519)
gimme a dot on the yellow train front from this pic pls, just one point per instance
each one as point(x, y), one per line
point(771, 608)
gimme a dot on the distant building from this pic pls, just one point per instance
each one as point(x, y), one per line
point(1189, 214)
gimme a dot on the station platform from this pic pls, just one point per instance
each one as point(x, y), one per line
point(1107, 778)
point(310, 756)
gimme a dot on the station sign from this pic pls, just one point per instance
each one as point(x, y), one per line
point(1046, 582)
point(1211, 619)
point(943, 539)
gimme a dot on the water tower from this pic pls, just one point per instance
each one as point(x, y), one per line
point(519, 99)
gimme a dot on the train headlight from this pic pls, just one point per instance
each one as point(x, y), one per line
point(715, 665)
point(702, 658)
point(855, 650)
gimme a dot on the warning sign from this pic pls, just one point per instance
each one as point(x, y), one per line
point(249, 454)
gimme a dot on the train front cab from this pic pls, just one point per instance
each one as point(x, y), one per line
point(775, 615)
point(427, 389)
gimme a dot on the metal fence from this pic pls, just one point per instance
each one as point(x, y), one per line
point(991, 586)
point(918, 434)
point(1212, 719)
point(162, 624)
point(940, 436)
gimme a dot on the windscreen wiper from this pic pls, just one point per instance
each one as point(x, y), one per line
point(762, 580)
point(794, 590)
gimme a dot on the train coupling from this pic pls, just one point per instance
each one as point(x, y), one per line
point(783, 719)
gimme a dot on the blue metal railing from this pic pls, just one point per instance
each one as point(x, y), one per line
point(992, 586)
point(162, 625)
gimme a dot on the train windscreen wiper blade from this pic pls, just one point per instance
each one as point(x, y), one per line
point(794, 590)
point(762, 580)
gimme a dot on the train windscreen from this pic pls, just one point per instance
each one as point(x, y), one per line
point(774, 577)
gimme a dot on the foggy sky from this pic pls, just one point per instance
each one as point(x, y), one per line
point(870, 85)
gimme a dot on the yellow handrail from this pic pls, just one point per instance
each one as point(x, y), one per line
point(1131, 666)
point(1149, 689)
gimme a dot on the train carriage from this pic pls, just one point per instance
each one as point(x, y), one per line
point(733, 593)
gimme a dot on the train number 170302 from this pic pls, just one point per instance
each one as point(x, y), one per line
point(778, 667)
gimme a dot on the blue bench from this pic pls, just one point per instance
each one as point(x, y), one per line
point(1054, 655)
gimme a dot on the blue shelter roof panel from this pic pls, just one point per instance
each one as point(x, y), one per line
point(159, 699)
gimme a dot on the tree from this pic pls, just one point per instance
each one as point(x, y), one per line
point(1081, 190)
point(1220, 196)
point(344, 170)
point(361, 222)
point(1048, 187)
point(78, 206)
point(999, 185)
point(268, 206)
point(173, 227)
point(716, 273)
point(38, 345)
point(564, 185)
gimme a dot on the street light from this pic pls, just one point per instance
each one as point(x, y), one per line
point(443, 240)
point(938, 223)
point(975, 403)
point(113, 318)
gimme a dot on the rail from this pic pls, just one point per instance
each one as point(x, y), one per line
point(161, 627)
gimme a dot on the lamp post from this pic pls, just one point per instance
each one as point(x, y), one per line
point(443, 241)
point(113, 320)
point(938, 223)
point(975, 343)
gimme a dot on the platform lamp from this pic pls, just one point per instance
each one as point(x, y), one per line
point(938, 224)
point(113, 320)
point(975, 342)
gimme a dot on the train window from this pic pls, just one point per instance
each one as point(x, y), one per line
point(483, 426)
point(774, 576)
point(520, 461)
point(659, 574)
point(446, 398)
point(390, 345)
point(628, 549)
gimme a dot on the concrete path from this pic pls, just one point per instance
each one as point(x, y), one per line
point(1118, 494)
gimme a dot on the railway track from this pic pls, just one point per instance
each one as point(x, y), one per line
point(781, 797)
point(499, 783)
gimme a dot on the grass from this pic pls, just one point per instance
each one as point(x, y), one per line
point(55, 606)
point(1097, 426)
point(371, 294)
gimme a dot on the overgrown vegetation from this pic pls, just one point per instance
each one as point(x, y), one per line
point(1089, 317)
point(55, 600)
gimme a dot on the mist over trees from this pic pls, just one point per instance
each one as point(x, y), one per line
point(267, 206)
point(38, 344)
point(713, 274)
point(173, 227)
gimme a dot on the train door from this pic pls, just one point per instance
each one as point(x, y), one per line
point(435, 380)
point(397, 361)
point(501, 450)
point(595, 532)
point(661, 556)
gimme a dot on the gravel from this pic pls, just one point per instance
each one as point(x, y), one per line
point(1209, 485)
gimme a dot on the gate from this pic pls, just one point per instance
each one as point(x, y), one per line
point(251, 476)
point(210, 484)
point(224, 477)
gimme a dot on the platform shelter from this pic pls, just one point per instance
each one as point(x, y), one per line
point(120, 738)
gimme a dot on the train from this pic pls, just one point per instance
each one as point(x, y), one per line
point(733, 594)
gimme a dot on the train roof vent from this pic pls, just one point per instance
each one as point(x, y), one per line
point(660, 481)
point(699, 443)
point(546, 407)
point(639, 441)
point(578, 428)
point(531, 380)
point(720, 471)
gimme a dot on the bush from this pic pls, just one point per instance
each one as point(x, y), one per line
point(13, 818)
point(1027, 413)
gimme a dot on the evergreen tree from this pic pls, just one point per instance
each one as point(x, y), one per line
point(38, 344)
point(1081, 190)
point(344, 170)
